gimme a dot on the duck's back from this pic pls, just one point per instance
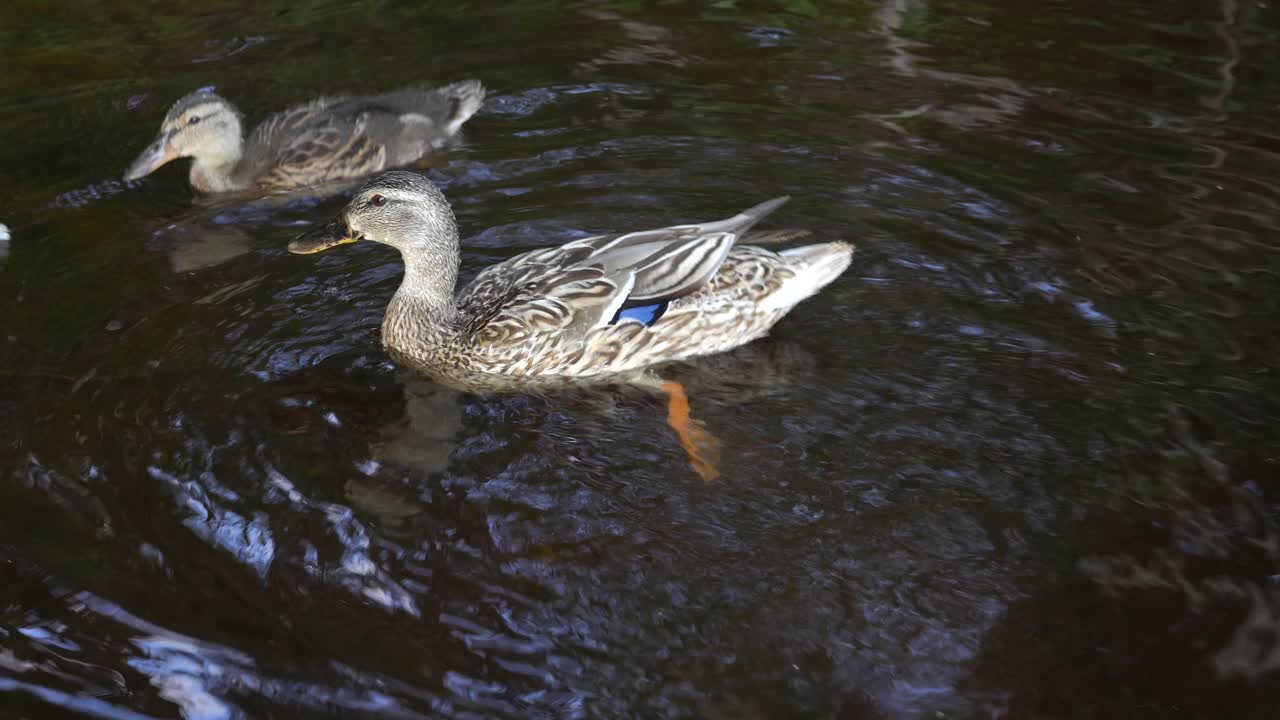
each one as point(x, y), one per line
point(617, 303)
point(339, 138)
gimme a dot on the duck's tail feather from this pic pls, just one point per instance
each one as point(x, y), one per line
point(465, 98)
point(773, 237)
point(815, 267)
point(743, 221)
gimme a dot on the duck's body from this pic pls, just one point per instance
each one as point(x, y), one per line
point(591, 308)
point(324, 141)
point(556, 312)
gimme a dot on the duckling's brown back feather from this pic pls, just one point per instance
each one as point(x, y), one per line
point(341, 138)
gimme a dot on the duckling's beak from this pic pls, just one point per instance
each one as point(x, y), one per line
point(323, 238)
point(157, 153)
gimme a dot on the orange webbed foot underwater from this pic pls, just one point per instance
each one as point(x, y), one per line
point(702, 447)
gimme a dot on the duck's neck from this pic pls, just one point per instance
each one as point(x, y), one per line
point(216, 172)
point(422, 317)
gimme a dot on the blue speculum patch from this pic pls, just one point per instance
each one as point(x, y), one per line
point(647, 313)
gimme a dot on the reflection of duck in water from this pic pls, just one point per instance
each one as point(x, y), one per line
point(422, 441)
point(602, 308)
point(749, 374)
point(425, 437)
point(324, 141)
point(194, 245)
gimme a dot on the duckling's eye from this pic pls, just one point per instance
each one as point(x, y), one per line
point(193, 119)
point(377, 201)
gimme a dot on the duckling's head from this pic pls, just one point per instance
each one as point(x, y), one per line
point(399, 208)
point(203, 126)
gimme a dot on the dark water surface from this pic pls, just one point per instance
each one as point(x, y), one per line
point(1020, 461)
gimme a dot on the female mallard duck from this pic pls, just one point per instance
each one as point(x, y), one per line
point(323, 141)
point(592, 308)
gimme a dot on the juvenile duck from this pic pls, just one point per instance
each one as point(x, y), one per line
point(598, 307)
point(325, 140)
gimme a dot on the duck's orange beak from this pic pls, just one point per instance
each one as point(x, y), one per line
point(157, 153)
point(322, 238)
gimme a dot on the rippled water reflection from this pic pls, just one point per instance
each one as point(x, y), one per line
point(1018, 462)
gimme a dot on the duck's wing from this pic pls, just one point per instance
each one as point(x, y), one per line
point(525, 301)
point(347, 137)
point(325, 140)
point(582, 285)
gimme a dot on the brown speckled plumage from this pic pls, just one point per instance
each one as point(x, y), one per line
point(551, 313)
point(324, 141)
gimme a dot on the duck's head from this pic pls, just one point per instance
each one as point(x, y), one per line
point(201, 125)
point(399, 208)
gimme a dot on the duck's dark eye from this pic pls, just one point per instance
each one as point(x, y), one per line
point(193, 119)
point(377, 201)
